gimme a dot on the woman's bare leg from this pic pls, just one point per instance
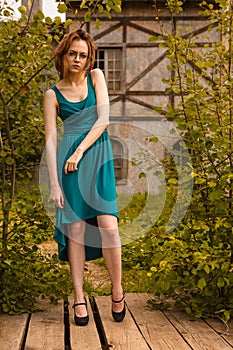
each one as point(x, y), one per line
point(76, 255)
point(112, 255)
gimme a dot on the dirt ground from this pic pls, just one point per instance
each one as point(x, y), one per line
point(97, 274)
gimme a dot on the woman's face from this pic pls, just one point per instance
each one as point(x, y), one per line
point(76, 57)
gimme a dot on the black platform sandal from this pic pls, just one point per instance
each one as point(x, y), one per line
point(119, 316)
point(81, 321)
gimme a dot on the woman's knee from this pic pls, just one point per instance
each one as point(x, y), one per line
point(110, 238)
point(76, 231)
point(109, 231)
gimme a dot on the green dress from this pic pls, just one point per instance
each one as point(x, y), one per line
point(90, 191)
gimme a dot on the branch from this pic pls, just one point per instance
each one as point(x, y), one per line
point(28, 20)
point(30, 79)
point(7, 205)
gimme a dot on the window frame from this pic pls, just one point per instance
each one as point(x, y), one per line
point(103, 64)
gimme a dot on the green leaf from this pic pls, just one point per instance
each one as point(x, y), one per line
point(201, 283)
point(48, 20)
point(155, 38)
point(172, 181)
point(68, 22)
point(22, 9)
point(57, 20)
point(87, 17)
point(142, 175)
point(40, 15)
point(117, 8)
point(176, 90)
point(62, 8)
point(97, 23)
point(9, 161)
point(107, 14)
point(83, 4)
point(153, 139)
point(227, 315)
point(220, 282)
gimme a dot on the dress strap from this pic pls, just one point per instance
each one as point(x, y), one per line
point(89, 79)
point(57, 92)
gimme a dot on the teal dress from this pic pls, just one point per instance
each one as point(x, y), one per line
point(91, 190)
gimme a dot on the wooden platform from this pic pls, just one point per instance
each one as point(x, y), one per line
point(142, 329)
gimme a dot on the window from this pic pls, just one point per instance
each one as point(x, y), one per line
point(120, 160)
point(110, 62)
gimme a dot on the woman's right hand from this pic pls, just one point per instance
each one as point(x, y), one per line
point(57, 196)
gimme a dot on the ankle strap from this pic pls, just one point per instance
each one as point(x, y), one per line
point(119, 301)
point(78, 304)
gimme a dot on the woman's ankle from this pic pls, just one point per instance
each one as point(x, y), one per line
point(117, 291)
point(79, 296)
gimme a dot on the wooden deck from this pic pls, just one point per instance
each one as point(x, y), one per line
point(142, 329)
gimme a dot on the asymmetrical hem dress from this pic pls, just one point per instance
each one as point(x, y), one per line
point(91, 190)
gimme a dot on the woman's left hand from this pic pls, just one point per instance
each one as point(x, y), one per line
point(72, 162)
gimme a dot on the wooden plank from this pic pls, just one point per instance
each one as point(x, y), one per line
point(121, 336)
point(155, 327)
point(83, 337)
point(225, 331)
point(46, 328)
point(197, 333)
point(12, 331)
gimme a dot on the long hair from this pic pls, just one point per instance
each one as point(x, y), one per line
point(64, 46)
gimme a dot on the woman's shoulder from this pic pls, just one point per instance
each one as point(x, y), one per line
point(97, 74)
point(97, 71)
point(50, 92)
point(50, 95)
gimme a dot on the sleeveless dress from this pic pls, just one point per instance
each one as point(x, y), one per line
point(91, 190)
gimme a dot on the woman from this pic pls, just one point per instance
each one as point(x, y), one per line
point(81, 172)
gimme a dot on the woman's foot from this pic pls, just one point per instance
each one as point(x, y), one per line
point(81, 317)
point(118, 306)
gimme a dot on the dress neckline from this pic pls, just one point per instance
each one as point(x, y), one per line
point(75, 102)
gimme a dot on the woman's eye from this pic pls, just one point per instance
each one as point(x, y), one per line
point(73, 54)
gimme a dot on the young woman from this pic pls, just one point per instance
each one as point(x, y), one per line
point(81, 172)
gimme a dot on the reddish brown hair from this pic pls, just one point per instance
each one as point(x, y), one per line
point(64, 46)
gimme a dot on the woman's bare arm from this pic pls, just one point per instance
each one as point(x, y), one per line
point(50, 114)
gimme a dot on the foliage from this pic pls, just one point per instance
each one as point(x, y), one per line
point(194, 263)
point(26, 70)
point(90, 10)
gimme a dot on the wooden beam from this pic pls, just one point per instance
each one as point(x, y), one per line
point(120, 336)
point(139, 102)
point(12, 331)
point(142, 29)
point(147, 70)
point(116, 99)
point(83, 337)
point(152, 18)
point(155, 327)
point(196, 333)
point(46, 328)
point(225, 330)
point(108, 30)
point(156, 118)
point(146, 93)
point(200, 30)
